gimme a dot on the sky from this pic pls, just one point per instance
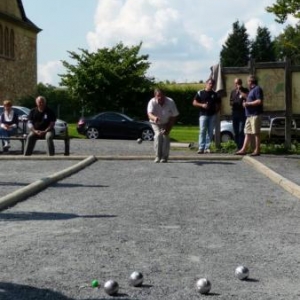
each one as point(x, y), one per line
point(182, 38)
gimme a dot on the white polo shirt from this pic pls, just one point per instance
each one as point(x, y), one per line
point(163, 112)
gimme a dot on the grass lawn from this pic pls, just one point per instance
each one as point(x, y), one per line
point(73, 131)
point(185, 134)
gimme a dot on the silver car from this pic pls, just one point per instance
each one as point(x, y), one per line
point(60, 126)
point(272, 128)
point(226, 131)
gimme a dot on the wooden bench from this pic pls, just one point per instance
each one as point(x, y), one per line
point(22, 135)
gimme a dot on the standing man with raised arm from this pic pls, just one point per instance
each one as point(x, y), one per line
point(254, 108)
point(238, 111)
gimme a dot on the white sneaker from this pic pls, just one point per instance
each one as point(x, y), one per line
point(6, 145)
point(156, 160)
point(163, 160)
point(206, 151)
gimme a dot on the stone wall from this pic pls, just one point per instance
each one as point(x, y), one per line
point(18, 71)
point(19, 75)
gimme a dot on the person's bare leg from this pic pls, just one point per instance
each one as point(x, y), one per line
point(257, 144)
point(245, 145)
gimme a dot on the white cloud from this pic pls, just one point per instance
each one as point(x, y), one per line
point(251, 27)
point(183, 38)
point(145, 20)
point(47, 73)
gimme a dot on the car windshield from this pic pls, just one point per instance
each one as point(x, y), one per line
point(115, 117)
point(26, 110)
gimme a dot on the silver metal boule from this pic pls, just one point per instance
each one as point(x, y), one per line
point(242, 272)
point(203, 286)
point(139, 141)
point(111, 287)
point(136, 279)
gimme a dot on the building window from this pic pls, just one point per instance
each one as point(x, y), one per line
point(12, 44)
point(1, 40)
point(6, 42)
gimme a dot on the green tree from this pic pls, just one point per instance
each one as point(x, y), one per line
point(59, 99)
point(235, 52)
point(287, 44)
point(283, 8)
point(262, 48)
point(109, 79)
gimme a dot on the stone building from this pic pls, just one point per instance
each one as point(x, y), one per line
point(18, 51)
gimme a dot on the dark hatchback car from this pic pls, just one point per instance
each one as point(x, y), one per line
point(114, 125)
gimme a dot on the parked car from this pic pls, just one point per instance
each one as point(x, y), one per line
point(60, 126)
point(273, 128)
point(114, 125)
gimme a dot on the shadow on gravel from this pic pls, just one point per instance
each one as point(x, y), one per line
point(13, 183)
point(12, 291)
point(58, 184)
point(212, 294)
point(251, 280)
point(200, 163)
point(43, 216)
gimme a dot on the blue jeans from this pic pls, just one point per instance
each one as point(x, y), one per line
point(207, 125)
point(6, 133)
point(238, 123)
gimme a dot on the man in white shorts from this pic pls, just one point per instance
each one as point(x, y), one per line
point(254, 109)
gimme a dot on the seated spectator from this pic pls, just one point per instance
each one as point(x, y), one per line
point(41, 122)
point(9, 124)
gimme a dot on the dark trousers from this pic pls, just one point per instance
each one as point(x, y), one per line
point(238, 123)
point(32, 138)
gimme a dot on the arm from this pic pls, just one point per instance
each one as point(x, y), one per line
point(253, 103)
point(15, 121)
point(152, 117)
point(169, 125)
point(257, 97)
point(231, 98)
point(50, 127)
point(198, 104)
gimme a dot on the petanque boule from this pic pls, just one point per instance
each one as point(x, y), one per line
point(242, 272)
point(136, 279)
point(95, 283)
point(203, 286)
point(139, 141)
point(111, 287)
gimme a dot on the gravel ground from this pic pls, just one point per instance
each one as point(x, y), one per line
point(174, 222)
point(17, 174)
point(287, 166)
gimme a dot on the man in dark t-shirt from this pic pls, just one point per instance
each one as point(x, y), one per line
point(41, 122)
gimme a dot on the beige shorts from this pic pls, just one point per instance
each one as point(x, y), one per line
point(253, 124)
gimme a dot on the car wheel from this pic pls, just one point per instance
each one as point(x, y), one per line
point(92, 133)
point(147, 135)
point(226, 136)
